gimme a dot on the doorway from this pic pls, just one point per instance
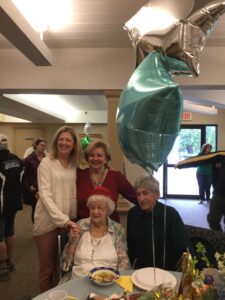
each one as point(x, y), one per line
point(182, 183)
point(24, 138)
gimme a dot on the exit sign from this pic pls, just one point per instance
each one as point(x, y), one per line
point(186, 116)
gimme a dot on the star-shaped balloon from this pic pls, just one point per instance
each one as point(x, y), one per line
point(168, 41)
point(183, 38)
point(148, 118)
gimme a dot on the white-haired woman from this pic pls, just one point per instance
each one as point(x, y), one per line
point(101, 242)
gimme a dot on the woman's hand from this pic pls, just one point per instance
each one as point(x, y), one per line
point(75, 230)
point(73, 227)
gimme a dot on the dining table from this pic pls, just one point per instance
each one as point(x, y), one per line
point(80, 288)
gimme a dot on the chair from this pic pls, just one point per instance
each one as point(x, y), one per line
point(62, 240)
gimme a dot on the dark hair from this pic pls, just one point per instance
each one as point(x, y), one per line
point(38, 141)
point(204, 146)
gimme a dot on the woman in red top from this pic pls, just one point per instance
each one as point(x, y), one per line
point(97, 155)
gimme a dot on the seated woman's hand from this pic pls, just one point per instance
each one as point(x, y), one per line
point(75, 230)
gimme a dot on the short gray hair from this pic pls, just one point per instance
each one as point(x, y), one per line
point(107, 200)
point(147, 182)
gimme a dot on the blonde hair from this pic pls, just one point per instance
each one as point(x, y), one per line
point(75, 154)
point(98, 143)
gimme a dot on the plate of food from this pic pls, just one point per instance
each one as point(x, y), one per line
point(150, 278)
point(103, 276)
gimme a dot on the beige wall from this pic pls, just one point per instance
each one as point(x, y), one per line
point(98, 69)
point(49, 130)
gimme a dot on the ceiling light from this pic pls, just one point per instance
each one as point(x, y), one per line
point(51, 104)
point(193, 107)
point(11, 119)
point(160, 20)
point(46, 14)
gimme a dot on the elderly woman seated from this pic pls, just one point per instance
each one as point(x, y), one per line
point(100, 242)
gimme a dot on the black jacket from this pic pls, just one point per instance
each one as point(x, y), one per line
point(219, 187)
point(139, 237)
point(11, 171)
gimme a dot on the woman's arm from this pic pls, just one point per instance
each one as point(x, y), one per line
point(125, 188)
point(123, 260)
point(69, 250)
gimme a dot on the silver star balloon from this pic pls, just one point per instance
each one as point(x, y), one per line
point(169, 40)
point(182, 37)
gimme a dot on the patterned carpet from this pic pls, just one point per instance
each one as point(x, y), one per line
point(23, 282)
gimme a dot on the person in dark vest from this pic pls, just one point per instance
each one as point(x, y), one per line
point(156, 235)
point(217, 203)
point(11, 171)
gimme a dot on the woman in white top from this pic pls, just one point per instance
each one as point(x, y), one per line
point(101, 241)
point(57, 205)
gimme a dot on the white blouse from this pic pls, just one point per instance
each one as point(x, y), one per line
point(57, 191)
point(94, 252)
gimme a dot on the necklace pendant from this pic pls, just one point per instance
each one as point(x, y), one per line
point(92, 254)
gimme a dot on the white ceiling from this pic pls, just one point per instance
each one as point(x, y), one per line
point(99, 23)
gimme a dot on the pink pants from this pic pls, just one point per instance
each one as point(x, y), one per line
point(47, 245)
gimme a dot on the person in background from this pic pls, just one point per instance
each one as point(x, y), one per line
point(11, 170)
point(204, 175)
point(29, 150)
point(57, 204)
point(97, 154)
point(101, 242)
point(217, 203)
point(31, 163)
point(154, 229)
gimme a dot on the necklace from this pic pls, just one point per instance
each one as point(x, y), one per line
point(97, 180)
point(95, 242)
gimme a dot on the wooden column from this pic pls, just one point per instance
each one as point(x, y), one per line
point(113, 101)
point(117, 156)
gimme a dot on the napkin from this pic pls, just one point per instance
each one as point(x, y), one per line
point(125, 282)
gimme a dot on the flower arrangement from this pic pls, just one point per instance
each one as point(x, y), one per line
point(208, 284)
point(220, 276)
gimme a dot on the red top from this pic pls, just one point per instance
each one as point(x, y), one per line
point(115, 181)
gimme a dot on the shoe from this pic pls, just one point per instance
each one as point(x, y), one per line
point(4, 274)
point(10, 265)
point(201, 202)
point(3, 265)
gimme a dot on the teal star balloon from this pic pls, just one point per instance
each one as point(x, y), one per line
point(149, 113)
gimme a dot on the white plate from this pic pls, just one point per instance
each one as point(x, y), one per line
point(144, 278)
